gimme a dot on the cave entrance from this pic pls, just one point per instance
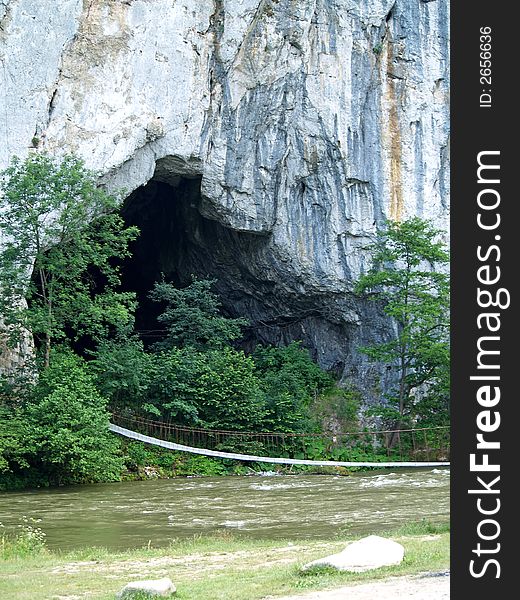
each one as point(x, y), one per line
point(178, 243)
point(155, 209)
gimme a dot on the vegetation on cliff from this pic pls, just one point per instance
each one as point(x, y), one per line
point(60, 226)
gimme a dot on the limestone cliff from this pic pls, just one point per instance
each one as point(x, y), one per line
point(289, 128)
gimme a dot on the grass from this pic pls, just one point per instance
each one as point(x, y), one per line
point(220, 567)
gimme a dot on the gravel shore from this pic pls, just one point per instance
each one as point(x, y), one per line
point(429, 586)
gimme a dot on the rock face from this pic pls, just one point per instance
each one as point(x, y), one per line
point(286, 132)
point(369, 553)
point(160, 588)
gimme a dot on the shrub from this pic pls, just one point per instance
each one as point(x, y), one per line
point(66, 426)
point(28, 541)
point(123, 372)
point(191, 464)
point(290, 381)
point(192, 317)
point(227, 391)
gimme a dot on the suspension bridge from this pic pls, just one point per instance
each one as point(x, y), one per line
point(421, 447)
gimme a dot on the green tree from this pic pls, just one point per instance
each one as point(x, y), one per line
point(123, 372)
point(291, 382)
point(60, 235)
point(214, 388)
point(66, 435)
point(173, 390)
point(192, 317)
point(227, 391)
point(57, 432)
point(217, 389)
point(12, 452)
point(407, 278)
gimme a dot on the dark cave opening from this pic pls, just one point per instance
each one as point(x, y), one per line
point(177, 243)
point(154, 209)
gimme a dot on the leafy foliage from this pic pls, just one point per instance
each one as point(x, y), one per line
point(173, 382)
point(216, 388)
point(291, 381)
point(12, 453)
point(61, 430)
point(228, 393)
point(67, 426)
point(59, 226)
point(416, 295)
point(338, 408)
point(123, 372)
point(29, 540)
point(192, 317)
point(204, 382)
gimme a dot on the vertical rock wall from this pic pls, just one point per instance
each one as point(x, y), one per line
point(308, 122)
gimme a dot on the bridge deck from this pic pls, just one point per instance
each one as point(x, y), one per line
point(265, 459)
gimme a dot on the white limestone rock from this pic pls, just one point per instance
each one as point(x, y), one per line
point(160, 588)
point(290, 112)
point(369, 553)
point(307, 122)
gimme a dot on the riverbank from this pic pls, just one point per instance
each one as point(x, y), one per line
point(220, 567)
point(143, 462)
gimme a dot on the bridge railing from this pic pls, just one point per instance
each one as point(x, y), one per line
point(419, 444)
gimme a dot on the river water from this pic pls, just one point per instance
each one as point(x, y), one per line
point(129, 514)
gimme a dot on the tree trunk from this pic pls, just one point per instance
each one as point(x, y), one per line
point(402, 397)
point(47, 355)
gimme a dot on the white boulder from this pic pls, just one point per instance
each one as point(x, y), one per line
point(367, 553)
point(161, 588)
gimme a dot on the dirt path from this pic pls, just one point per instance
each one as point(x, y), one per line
point(432, 586)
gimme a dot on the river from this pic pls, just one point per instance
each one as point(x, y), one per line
point(130, 514)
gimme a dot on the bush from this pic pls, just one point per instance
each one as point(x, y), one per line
point(228, 392)
point(192, 317)
point(156, 385)
point(192, 464)
point(290, 381)
point(28, 541)
point(136, 455)
point(122, 371)
point(213, 389)
point(338, 408)
point(12, 452)
point(274, 389)
point(172, 389)
point(195, 378)
point(66, 435)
